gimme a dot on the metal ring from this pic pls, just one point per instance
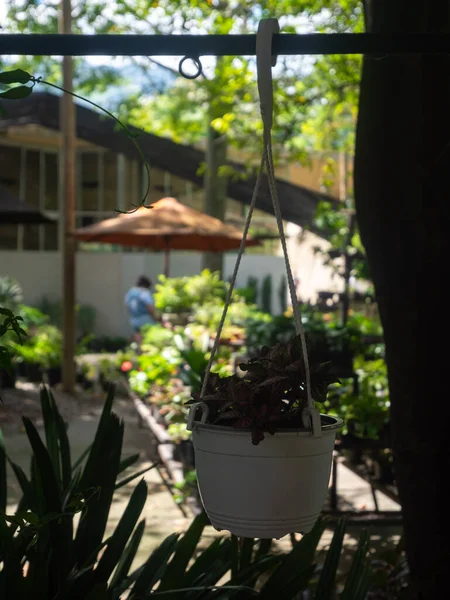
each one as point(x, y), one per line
point(197, 63)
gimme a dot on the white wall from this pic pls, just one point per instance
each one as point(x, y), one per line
point(103, 279)
point(308, 265)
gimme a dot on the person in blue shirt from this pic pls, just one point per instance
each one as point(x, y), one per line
point(141, 306)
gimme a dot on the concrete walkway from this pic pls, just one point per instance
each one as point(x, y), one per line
point(160, 512)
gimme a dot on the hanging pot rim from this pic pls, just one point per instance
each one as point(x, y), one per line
point(336, 423)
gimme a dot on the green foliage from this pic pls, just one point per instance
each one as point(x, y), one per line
point(315, 98)
point(10, 329)
point(53, 309)
point(272, 393)
point(336, 227)
point(250, 292)
point(170, 295)
point(266, 294)
point(178, 432)
point(109, 370)
point(282, 295)
point(186, 488)
point(185, 294)
point(71, 558)
point(60, 557)
point(86, 317)
point(32, 317)
point(11, 295)
point(44, 347)
point(264, 330)
point(156, 336)
point(155, 369)
point(194, 363)
point(365, 415)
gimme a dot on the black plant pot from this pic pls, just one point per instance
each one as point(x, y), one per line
point(54, 376)
point(8, 379)
point(104, 383)
point(34, 373)
point(22, 369)
point(84, 382)
point(187, 454)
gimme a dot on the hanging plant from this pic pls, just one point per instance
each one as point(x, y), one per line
point(270, 396)
point(269, 489)
point(261, 471)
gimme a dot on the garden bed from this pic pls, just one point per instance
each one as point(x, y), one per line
point(168, 452)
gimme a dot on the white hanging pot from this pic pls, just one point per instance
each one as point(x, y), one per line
point(265, 491)
point(279, 485)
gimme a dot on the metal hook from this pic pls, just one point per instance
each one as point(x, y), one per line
point(197, 64)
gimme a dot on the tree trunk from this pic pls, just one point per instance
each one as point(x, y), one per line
point(402, 192)
point(215, 189)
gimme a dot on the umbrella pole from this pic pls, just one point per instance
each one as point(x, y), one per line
point(166, 262)
point(167, 255)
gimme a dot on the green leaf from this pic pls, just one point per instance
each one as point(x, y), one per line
point(122, 533)
point(209, 573)
point(127, 558)
point(294, 564)
point(30, 517)
point(15, 76)
point(250, 574)
point(3, 489)
point(154, 567)
point(174, 574)
point(64, 448)
point(44, 469)
point(87, 479)
point(263, 549)
point(203, 562)
point(11, 573)
point(327, 580)
point(127, 462)
point(356, 579)
point(60, 530)
point(234, 556)
point(103, 465)
point(51, 430)
point(16, 93)
point(247, 552)
point(133, 476)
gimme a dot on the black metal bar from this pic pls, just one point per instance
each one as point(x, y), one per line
point(221, 45)
point(374, 496)
point(385, 517)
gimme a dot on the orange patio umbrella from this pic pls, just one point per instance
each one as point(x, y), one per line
point(168, 225)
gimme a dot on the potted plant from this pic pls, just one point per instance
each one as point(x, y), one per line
point(48, 351)
point(28, 360)
point(261, 471)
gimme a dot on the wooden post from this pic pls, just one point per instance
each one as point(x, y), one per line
point(121, 181)
point(42, 182)
point(22, 193)
point(68, 207)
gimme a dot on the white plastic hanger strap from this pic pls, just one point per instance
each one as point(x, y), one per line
point(264, 62)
